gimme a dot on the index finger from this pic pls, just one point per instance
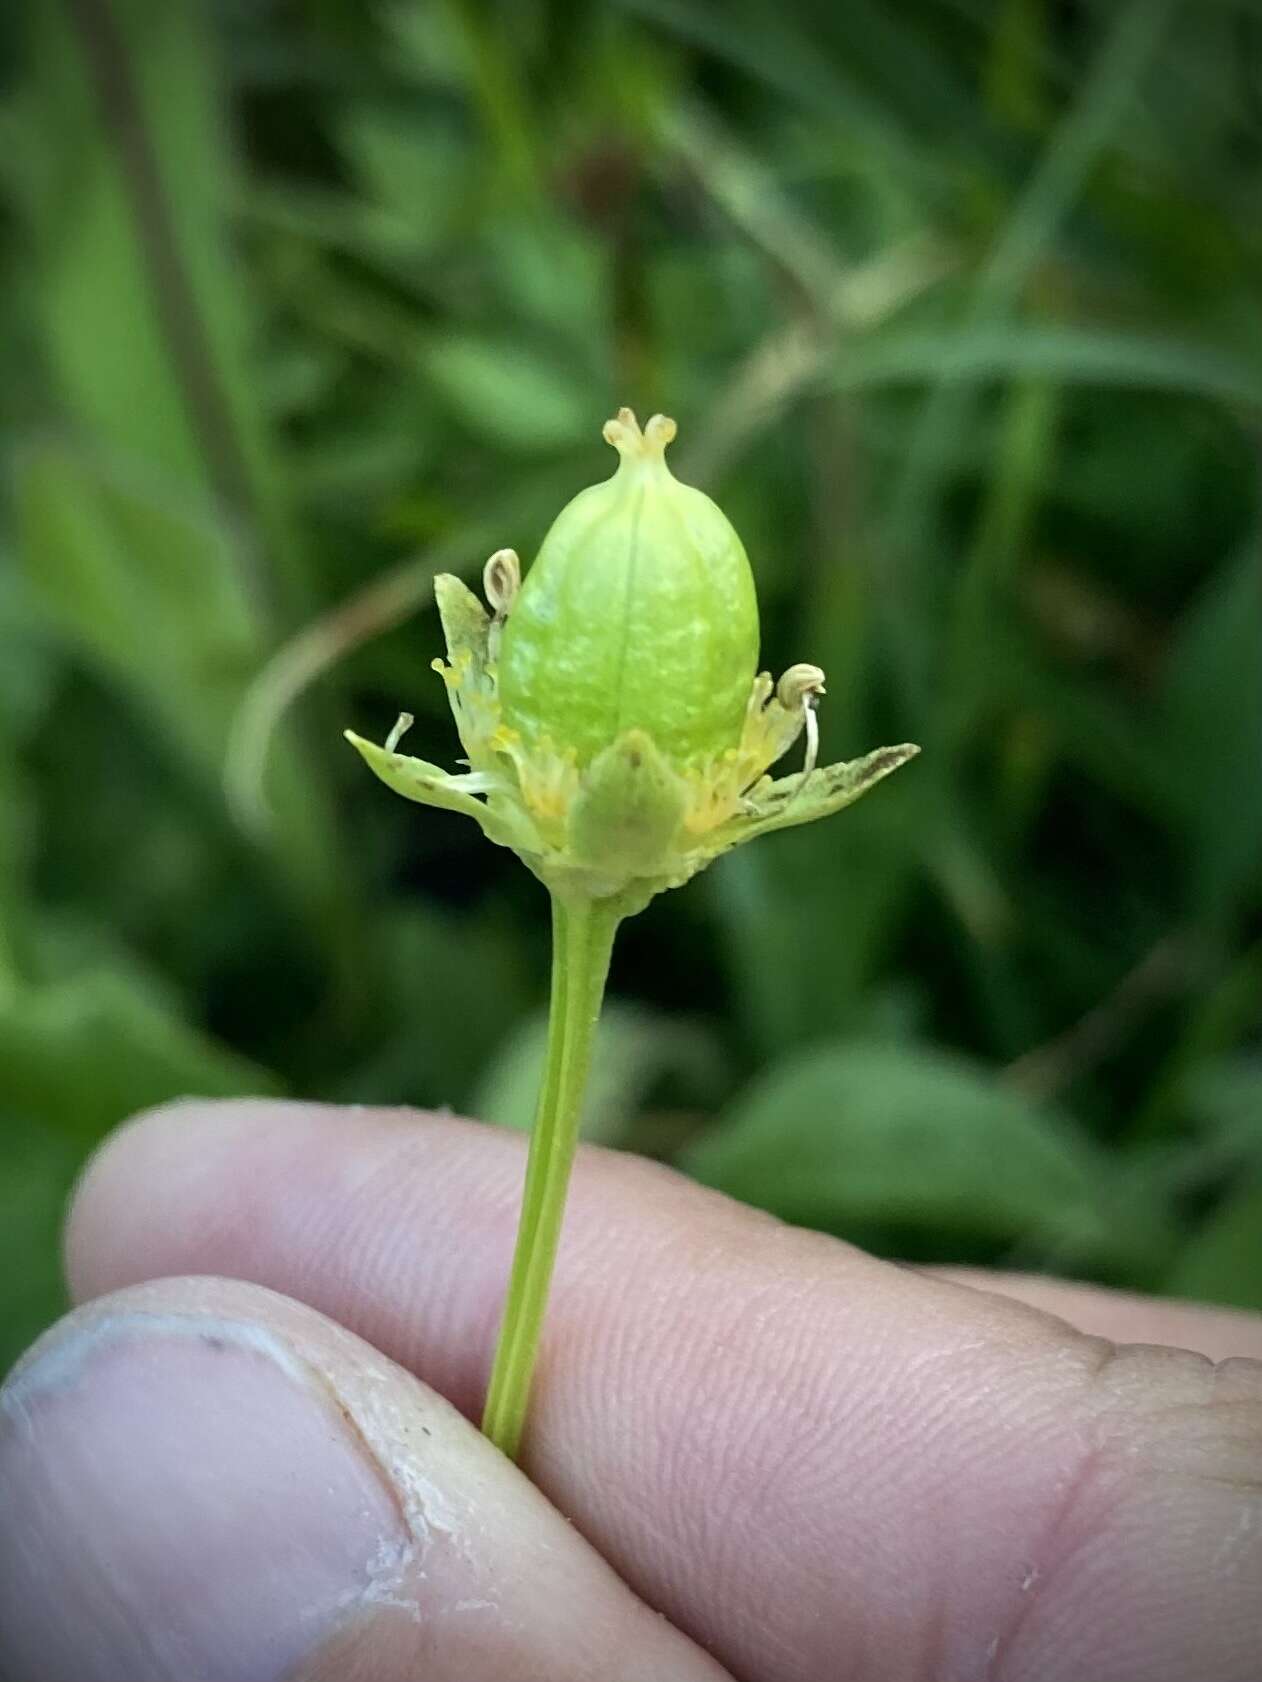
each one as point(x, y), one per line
point(816, 1463)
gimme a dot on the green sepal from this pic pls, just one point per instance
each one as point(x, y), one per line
point(466, 624)
point(429, 785)
point(788, 801)
point(626, 815)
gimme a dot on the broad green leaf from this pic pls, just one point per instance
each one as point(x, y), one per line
point(508, 392)
point(31, 665)
point(779, 905)
point(147, 584)
point(1213, 731)
point(553, 273)
point(856, 1134)
point(1222, 1261)
point(453, 986)
point(1223, 1099)
point(79, 1056)
point(635, 1049)
point(415, 167)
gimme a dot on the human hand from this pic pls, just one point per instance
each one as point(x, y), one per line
point(811, 1464)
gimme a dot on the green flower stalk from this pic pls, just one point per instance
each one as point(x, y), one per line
point(618, 737)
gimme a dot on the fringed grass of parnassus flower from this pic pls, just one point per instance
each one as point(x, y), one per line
point(618, 737)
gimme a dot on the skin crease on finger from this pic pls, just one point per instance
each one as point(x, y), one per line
point(471, 1575)
point(817, 1464)
point(1218, 1333)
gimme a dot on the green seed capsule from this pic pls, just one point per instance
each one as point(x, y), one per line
point(639, 613)
point(616, 731)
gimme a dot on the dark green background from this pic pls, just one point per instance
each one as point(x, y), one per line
point(958, 307)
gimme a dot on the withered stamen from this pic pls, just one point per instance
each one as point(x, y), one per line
point(402, 725)
point(501, 580)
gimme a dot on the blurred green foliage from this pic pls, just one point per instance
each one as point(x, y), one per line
point(957, 305)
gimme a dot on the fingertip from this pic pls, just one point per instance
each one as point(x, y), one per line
point(136, 1157)
point(194, 1163)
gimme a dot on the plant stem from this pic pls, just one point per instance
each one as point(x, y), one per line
point(582, 940)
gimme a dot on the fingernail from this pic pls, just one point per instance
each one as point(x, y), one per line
point(183, 1501)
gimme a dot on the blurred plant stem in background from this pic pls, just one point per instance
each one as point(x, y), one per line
point(154, 525)
point(959, 301)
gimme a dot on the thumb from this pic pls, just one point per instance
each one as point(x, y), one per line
point(206, 1482)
